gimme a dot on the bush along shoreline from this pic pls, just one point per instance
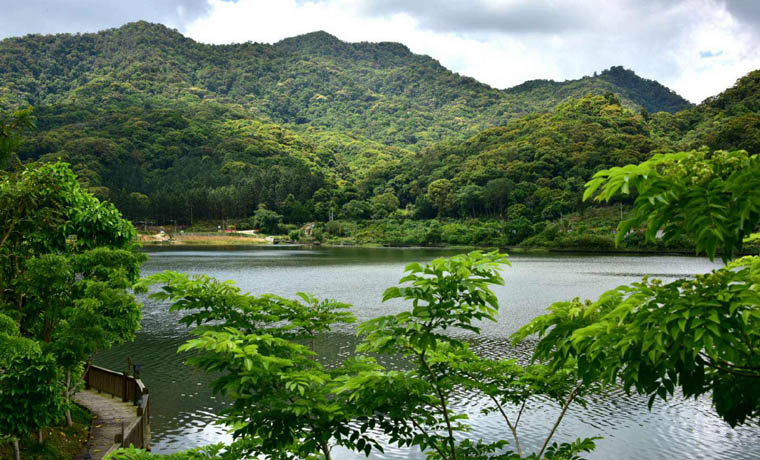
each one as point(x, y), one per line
point(593, 231)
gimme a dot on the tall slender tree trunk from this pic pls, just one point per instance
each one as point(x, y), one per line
point(39, 436)
point(69, 422)
point(16, 450)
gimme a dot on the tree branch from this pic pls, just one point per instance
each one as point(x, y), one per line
point(721, 366)
point(519, 414)
point(434, 444)
point(559, 419)
point(7, 233)
point(444, 410)
point(513, 428)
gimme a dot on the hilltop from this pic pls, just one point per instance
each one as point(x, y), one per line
point(381, 91)
point(312, 127)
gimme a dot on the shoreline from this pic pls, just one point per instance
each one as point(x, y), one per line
point(230, 242)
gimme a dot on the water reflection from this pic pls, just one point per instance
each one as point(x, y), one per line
point(184, 410)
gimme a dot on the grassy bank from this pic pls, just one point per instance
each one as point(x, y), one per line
point(203, 239)
point(591, 231)
point(59, 442)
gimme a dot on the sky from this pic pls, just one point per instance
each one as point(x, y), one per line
point(696, 47)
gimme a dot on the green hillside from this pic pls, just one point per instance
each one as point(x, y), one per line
point(381, 91)
point(313, 127)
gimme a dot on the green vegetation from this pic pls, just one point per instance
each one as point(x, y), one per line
point(12, 125)
point(414, 407)
point(698, 335)
point(284, 400)
point(316, 129)
point(285, 404)
point(376, 90)
point(67, 263)
point(58, 442)
point(370, 144)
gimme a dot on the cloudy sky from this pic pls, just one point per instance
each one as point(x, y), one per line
point(696, 47)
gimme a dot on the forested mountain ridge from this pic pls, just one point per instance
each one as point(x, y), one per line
point(635, 92)
point(170, 129)
point(381, 91)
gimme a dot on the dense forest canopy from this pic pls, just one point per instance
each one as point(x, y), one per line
point(379, 90)
point(315, 128)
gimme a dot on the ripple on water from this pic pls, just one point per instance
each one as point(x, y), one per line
point(185, 411)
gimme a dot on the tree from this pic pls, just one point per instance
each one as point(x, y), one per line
point(12, 125)
point(496, 195)
point(383, 204)
point(414, 407)
point(79, 304)
point(266, 221)
point(700, 335)
point(357, 209)
point(439, 192)
point(66, 267)
point(29, 397)
point(293, 211)
point(469, 200)
point(284, 403)
point(139, 205)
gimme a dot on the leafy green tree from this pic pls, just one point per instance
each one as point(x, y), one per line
point(266, 221)
point(293, 211)
point(67, 265)
point(384, 204)
point(139, 205)
point(357, 209)
point(424, 208)
point(469, 200)
point(700, 335)
point(12, 125)
point(496, 195)
point(439, 193)
point(29, 397)
point(284, 403)
point(80, 304)
point(414, 407)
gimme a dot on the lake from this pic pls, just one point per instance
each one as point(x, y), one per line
point(183, 409)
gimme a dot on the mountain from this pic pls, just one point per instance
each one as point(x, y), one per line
point(381, 91)
point(635, 92)
point(311, 127)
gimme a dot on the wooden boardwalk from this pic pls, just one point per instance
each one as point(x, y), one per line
point(112, 416)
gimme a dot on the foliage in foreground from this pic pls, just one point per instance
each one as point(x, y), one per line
point(288, 405)
point(414, 407)
point(284, 403)
point(699, 335)
point(67, 264)
point(59, 441)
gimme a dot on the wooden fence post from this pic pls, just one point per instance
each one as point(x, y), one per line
point(125, 380)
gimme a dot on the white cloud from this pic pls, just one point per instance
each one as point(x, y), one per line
point(696, 47)
point(658, 39)
point(70, 16)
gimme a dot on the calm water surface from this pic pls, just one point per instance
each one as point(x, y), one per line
point(183, 408)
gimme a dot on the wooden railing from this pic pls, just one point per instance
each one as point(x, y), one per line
point(129, 389)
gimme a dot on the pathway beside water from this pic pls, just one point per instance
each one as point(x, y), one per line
point(111, 416)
